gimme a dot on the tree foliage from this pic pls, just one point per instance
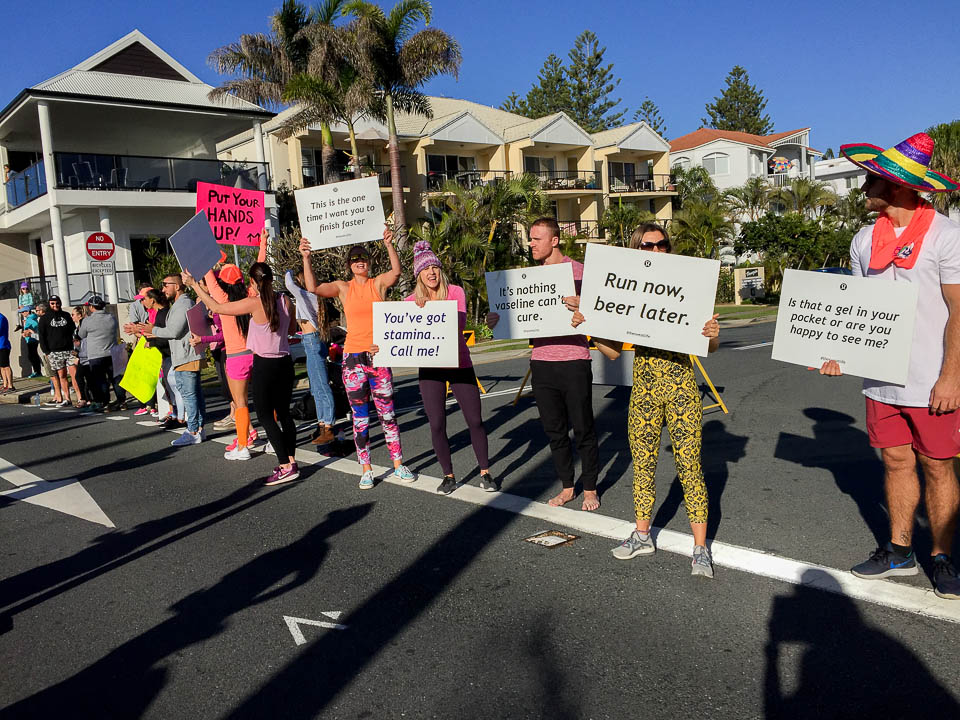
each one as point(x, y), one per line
point(739, 106)
point(946, 159)
point(805, 196)
point(751, 200)
point(620, 220)
point(650, 114)
point(701, 226)
point(693, 183)
point(582, 88)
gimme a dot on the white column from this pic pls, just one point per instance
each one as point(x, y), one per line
point(262, 173)
point(50, 173)
point(110, 285)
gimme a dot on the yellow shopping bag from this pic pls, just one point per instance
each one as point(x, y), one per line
point(143, 371)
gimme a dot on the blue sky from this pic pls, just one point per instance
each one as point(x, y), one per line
point(853, 71)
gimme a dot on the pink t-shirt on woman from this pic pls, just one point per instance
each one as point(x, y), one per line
point(455, 292)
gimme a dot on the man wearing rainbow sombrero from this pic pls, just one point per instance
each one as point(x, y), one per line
point(911, 242)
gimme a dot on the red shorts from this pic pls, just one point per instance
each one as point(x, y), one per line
point(936, 436)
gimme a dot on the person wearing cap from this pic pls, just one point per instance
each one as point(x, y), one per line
point(55, 330)
point(100, 330)
point(432, 284)
point(360, 378)
point(24, 303)
point(137, 313)
point(916, 422)
point(31, 339)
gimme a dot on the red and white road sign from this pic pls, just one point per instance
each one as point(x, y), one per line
point(100, 246)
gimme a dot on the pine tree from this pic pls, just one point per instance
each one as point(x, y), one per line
point(552, 94)
point(591, 83)
point(515, 104)
point(739, 107)
point(650, 114)
point(828, 155)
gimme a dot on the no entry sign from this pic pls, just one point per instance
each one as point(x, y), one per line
point(100, 246)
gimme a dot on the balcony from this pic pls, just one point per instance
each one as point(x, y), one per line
point(86, 171)
point(566, 180)
point(581, 229)
point(312, 174)
point(780, 179)
point(468, 179)
point(642, 184)
point(26, 185)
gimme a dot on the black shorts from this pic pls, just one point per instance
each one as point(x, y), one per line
point(5, 358)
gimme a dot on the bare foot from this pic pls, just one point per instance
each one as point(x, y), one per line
point(591, 501)
point(565, 496)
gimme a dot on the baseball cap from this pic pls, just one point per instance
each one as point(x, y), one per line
point(97, 302)
point(358, 251)
point(24, 285)
point(55, 298)
point(231, 274)
point(142, 294)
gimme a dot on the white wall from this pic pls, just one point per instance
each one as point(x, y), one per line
point(738, 161)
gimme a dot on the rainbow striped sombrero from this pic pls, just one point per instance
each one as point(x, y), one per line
point(905, 164)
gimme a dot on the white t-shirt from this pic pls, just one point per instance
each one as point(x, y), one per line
point(938, 264)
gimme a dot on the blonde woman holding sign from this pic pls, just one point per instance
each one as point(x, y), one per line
point(664, 390)
point(360, 378)
point(432, 284)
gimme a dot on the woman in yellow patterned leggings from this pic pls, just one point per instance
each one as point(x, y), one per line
point(664, 391)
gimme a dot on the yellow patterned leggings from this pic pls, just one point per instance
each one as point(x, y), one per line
point(664, 389)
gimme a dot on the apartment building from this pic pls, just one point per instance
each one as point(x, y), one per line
point(732, 158)
point(116, 143)
point(840, 174)
point(473, 145)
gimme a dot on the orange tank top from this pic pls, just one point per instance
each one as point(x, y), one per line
point(358, 307)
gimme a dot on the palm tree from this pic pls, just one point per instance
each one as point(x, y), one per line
point(621, 220)
point(693, 183)
point(401, 61)
point(946, 159)
point(751, 200)
point(332, 89)
point(265, 63)
point(806, 197)
point(700, 227)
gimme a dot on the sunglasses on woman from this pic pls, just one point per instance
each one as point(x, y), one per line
point(661, 244)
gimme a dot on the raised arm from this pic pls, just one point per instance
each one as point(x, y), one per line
point(247, 306)
point(387, 280)
point(264, 239)
point(213, 288)
point(310, 284)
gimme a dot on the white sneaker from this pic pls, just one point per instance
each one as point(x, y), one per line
point(238, 453)
point(188, 438)
point(269, 449)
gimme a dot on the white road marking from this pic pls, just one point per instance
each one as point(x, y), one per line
point(908, 598)
point(117, 417)
point(66, 496)
point(294, 623)
point(751, 347)
point(148, 423)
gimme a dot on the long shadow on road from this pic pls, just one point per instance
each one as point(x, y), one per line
point(824, 661)
point(115, 549)
point(124, 683)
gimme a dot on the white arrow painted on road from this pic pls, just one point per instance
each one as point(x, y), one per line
point(66, 496)
point(293, 624)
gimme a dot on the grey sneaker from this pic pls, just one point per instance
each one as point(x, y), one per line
point(702, 564)
point(633, 546)
point(489, 483)
point(366, 480)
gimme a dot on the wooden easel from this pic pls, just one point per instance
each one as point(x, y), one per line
point(693, 358)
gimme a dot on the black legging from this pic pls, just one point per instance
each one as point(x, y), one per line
point(99, 377)
point(433, 390)
point(33, 354)
point(272, 383)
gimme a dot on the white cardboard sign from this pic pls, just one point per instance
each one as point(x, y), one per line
point(648, 298)
point(865, 324)
point(343, 213)
point(410, 336)
point(529, 301)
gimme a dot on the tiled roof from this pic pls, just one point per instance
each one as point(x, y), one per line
point(705, 135)
point(141, 89)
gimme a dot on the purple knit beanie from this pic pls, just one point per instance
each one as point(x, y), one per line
point(423, 257)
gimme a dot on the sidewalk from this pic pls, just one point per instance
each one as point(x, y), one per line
point(25, 389)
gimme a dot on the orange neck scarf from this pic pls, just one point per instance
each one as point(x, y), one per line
point(901, 251)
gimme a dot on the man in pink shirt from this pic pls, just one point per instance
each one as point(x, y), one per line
point(563, 382)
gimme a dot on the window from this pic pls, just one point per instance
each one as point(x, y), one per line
point(682, 163)
point(853, 182)
point(539, 165)
point(626, 172)
point(450, 165)
point(717, 164)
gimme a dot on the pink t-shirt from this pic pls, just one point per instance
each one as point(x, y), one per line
point(455, 292)
point(568, 347)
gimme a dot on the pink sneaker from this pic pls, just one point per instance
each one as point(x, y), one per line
point(142, 411)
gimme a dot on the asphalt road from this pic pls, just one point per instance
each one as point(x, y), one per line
point(180, 610)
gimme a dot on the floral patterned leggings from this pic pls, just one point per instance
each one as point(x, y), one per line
point(362, 380)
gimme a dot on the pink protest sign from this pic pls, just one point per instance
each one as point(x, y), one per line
point(236, 215)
